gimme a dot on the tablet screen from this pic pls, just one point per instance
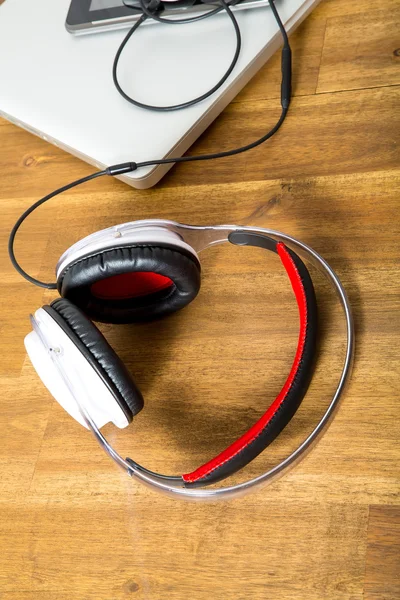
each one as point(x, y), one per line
point(104, 4)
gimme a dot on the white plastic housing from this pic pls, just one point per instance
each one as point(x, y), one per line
point(93, 394)
point(127, 234)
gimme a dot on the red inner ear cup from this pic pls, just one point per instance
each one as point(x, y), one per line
point(130, 285)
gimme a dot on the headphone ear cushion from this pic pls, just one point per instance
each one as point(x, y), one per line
point(131, 283)
point(99, 353)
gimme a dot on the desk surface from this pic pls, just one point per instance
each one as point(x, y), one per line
point(71, 524)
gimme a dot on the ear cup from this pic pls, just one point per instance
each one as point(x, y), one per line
point(131, 283)
point(99, 353)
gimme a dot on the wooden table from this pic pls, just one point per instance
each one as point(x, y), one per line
point(73, 526)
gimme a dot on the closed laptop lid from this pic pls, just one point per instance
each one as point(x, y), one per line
point(60, 86)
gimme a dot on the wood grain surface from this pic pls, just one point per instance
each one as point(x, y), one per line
point(71, 525)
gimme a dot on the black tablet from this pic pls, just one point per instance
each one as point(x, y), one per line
point(86, 16)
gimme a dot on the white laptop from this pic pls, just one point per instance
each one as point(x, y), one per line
point(59, 86)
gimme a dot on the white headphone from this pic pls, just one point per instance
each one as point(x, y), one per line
point(148, 269)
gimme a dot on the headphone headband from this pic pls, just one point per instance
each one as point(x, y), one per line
point(282, 409)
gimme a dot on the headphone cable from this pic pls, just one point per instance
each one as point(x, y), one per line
point(147, 14)
point(128, 167)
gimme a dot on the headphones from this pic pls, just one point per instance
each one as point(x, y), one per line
point(140, 271)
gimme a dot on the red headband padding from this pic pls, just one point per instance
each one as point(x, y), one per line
point(266, 429)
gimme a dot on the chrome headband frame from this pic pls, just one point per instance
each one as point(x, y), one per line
point(200, 238)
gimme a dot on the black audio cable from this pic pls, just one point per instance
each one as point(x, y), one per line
point(128, 167)
point(146, 13)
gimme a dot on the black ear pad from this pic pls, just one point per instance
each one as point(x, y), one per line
point(99, 353)
point(79, 281)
